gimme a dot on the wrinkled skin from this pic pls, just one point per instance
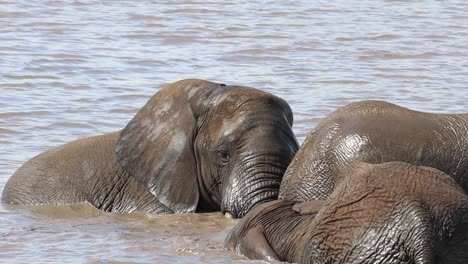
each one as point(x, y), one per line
point(376, 132)
point(391, 213)
point(196, 146)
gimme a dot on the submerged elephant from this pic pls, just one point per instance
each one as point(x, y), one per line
point(195, 146)
point(376, 132)
point(391, 213)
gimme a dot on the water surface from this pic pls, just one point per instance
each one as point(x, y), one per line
point(73, 69)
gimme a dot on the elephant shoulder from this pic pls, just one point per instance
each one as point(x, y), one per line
point(90, 145)
point(62, 171)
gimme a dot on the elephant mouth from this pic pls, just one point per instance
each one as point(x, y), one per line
point(228, 215)
point(241, 210)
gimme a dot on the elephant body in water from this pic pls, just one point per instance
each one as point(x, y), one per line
point(390, 213)
point(373, 183)
point(196, 146)
point(375, 132)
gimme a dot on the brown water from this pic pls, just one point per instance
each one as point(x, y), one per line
point(73, 69)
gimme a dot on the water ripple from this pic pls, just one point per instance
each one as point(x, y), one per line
point(71, 69)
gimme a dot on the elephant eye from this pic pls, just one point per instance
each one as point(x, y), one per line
point(224, 155)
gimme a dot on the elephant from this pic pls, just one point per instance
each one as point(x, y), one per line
point(389, 213)
point(195, 146)
point(375, 132)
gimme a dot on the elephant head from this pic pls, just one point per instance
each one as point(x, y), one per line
point(203, 146)
point(392, 213)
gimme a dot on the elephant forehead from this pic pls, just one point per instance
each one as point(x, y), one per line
point(229, 101)
point(227, 125)
point(241, 121)
point(238, 95)
point(231, 125)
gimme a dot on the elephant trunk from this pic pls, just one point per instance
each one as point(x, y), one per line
point(257, 180)
point(257, 176)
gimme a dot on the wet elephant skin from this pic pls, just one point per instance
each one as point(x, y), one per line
point(376, 132)
point(391, 213)
point(195, 146)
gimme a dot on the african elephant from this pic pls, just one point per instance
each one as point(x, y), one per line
point(196, 146)
point(390, 213)
point(376, 132)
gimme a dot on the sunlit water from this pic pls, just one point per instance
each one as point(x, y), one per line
point(73, 69)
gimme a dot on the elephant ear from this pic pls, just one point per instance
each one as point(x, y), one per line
point(156, 146)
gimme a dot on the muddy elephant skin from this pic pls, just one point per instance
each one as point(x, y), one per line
point(376, 132)
point(196, 146)
point(390, 213)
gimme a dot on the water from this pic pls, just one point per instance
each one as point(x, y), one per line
point(73, 69)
